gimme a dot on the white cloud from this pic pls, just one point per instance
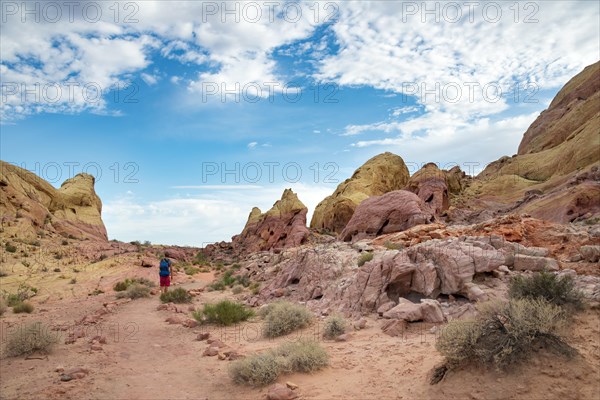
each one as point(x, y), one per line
point(149, 79)
point(252, 145)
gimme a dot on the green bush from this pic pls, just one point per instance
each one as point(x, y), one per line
point(283, 317)
point(264, 368)
point(29, 339)
point(134, 291)
point(179, 295)
point(10, 248)
point(364, 257)
point(189, 270)
point(223, 313)
point(200, 259)
point(548, 286)
point(23, 307)
point(335, 325)
point(503, 334)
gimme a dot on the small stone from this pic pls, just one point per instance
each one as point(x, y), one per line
point(279, 292)
point(60, 368)
point(342, 338)
point(96, 347)
point(211, 351)
point(66, 378)
point(221, 356)
point(291, 385)
point(280, 392)
point(202, 336)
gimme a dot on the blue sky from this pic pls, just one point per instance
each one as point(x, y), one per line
point(311, 96)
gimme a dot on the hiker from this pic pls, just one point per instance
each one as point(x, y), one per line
point(166, 274)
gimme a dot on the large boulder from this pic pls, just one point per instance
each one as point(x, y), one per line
point(381, 174)
point(283, 226)
point(393, 212)
point(28, 204)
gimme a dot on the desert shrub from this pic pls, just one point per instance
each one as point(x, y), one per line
point(29, 339)
point(257, 370)
point(23, 307)
point(364, 257)
point(200, 259)
point(135, 291)
point(179, 295)
point(9, 247)
point(218, 285)
point(335, 325)
point(237, 289)
point(73, 281)
point(546, 285)
point(123, 285)
point(503, 334)
point(254, 288)
point(223, 313)
point(393, 246)
point(189, 270)
point(3, 306)
point(264, 368)
point(284, 317)
point(301, 356)
point(24, 292)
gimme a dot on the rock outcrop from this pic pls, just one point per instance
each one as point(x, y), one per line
point(283, 226)
point(393, 212)
point(381, 174)
point(29, 204)
point(555, 174)
point(434, 186)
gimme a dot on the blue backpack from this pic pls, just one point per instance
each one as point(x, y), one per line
point(164, 267)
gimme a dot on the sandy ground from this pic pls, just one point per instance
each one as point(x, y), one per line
point(147, 358)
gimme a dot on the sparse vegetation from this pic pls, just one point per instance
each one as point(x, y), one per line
point(335, 325)
point(265, 368)
point(227, 279)
point(503, 334)
point(200, 259)
point(124, 285)
point(223, 313)
point(365, 257)
point(134, 291)
point(10, 248)
point(393, 246)
point(179, 295)
point(190, 270)
point(283, 317)
point(546, 285)
point(73, 281)
point(30, 338)
point(23, 307)
point(237, 289)
point(24, 292)
point(254, 288)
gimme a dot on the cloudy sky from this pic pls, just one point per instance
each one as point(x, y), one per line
point(190, 113)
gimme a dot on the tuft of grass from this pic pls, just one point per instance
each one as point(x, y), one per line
point(548, 286)
point(23, 307)
point(503, 334)
point(254, 288)
point(31, 338)
point(223, 313)
point(134, 291)
point(364, 257)
point(9, 247)
point(179, 295)
point(335, 325)
point(393, 246)
point(264, 368)
point(283, 317)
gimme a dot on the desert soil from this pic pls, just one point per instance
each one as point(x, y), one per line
point(148, 358)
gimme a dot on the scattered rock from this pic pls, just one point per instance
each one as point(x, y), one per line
point(291, 385)
point(280, 392)
point(590, 253)
point(211, 351)
point(533, 263)
point(202, 336)
point(394, 327)
point(342, 338)
point(190, 323)
point(360, 324)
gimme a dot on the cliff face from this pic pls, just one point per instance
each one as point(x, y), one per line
point(29, 204)
point(555, 174)
point(381, 174)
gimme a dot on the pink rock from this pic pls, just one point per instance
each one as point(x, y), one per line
point(281, 392)
point(211, 351)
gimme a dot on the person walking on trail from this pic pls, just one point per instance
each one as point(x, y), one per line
point(166, 274)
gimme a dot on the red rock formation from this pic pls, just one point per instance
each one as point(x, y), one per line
point(393, 212)
point(283, 226)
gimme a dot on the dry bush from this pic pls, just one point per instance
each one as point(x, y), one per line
point(237, 289)
point(29, 339)
point(503, 334)
point(123, 285)
point(335, 325)
point(283, 317)
point(262, 369)
point(365, 257)
point(135, 291)
point(179, 295)
point(23, 307)
point(546, 285)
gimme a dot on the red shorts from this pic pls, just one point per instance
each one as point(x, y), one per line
point(165, 281)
